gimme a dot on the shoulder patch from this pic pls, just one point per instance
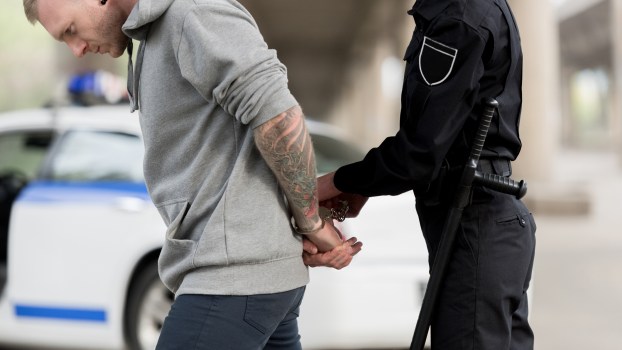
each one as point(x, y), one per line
point(436, 61)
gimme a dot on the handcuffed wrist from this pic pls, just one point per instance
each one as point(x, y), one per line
point(308, 231)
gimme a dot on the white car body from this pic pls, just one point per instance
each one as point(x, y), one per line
point(75, 249)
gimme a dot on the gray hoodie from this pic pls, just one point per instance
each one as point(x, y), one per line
point(203, 79)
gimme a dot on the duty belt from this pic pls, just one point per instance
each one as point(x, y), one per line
point(497, 166)
point(442, 188)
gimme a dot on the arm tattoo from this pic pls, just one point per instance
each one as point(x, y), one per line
point(286, 146)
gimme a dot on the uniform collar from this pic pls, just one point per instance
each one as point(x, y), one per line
point(428, 9)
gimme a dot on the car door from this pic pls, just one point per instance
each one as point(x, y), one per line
point(77, 234)
point(21, 155)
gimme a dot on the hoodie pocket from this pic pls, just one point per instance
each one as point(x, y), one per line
point(177, 253)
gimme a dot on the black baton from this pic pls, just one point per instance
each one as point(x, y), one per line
point(469, 176)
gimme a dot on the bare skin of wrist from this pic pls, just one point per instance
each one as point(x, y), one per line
point(326, 238)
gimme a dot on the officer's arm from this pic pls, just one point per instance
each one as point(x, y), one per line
point(414, 155)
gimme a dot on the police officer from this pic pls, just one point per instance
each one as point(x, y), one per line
point(460, 52)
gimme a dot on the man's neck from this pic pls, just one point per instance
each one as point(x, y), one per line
point(126, 6)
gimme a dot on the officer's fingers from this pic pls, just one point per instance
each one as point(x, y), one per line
point(328, 203)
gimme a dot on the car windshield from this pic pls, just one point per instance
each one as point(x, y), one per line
point(86, 155)
point(23, 151)
point(98, 156)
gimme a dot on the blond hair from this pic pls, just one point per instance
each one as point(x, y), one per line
point(30, 8)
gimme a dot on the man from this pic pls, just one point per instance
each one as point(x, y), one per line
point(460, 52)
point(225, 142)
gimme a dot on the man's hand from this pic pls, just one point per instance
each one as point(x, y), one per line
point(338, 258)
point(327, 238)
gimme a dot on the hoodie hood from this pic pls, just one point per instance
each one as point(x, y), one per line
point(144, 13)
point(136, 27)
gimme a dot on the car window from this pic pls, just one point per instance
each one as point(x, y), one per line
point(98, 156)
point(331, 153)
point(23, 151)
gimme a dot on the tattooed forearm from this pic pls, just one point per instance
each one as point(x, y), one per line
point(286, 146)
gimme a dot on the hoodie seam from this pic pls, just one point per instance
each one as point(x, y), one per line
point(193, 11)
point(181, 35)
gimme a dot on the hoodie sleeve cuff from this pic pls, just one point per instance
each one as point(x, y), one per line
point(281, 102)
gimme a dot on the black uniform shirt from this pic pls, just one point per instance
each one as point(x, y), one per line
point(460, 52)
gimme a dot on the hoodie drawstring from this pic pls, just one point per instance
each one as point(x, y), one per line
point(133, 74)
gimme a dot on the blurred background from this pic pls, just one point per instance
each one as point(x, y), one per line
point(345, 67)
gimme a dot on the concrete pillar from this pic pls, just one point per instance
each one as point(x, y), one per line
point(364, 109)
point(369, 103)
point(616, 94)
point(567, 128)
point(540, 120)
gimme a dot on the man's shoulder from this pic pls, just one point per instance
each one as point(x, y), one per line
point(190, 5)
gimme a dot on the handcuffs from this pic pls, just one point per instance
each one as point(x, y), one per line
point(335, 214)
point(325, 215)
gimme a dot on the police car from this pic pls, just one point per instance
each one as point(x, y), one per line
point(80, 238)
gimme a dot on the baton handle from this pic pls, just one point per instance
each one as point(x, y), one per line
point(501, 184)
point(489, 105)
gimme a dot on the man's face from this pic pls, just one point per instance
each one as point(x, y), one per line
point(84, 25)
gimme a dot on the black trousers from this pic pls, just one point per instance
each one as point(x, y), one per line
point(483, 302)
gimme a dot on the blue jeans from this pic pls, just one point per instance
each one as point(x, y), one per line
point(221, 322)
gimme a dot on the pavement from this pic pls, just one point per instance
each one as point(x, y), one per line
point(577, 283)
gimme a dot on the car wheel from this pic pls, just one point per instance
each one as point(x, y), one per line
point(148, 304)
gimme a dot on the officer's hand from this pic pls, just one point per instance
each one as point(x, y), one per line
point(326, 187)
point(355, 203)
point(330, 197)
